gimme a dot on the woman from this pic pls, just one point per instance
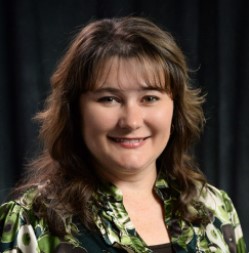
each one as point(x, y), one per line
point(116, 174)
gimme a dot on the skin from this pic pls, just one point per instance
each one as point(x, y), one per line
point(126, 124)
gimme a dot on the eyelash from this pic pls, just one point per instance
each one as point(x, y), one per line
point(112, 99)
point(109, 99)
point(150, 99)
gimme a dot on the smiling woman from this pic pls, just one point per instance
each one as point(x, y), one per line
point(116, 173)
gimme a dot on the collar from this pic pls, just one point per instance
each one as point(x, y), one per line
point(109, 191)
point(113, 221)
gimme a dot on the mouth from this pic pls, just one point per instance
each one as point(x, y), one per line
point(129, 142)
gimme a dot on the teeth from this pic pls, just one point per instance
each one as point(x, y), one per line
point(128, 140)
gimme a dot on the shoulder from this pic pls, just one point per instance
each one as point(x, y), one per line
point(16, 230)
point(225, 222)
point(17, 213)
point(220, 204)
point(19, 226)
point(22, 229)
point(218, 201)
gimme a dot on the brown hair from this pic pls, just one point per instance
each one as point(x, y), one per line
point(64, 171)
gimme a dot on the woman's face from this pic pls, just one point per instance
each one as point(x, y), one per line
point(126, 119)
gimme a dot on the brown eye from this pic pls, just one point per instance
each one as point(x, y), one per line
point(150, 99)
point(109, 100)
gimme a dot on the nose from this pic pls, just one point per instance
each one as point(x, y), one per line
point(131, 117)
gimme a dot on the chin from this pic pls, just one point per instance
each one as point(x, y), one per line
point(132, 167)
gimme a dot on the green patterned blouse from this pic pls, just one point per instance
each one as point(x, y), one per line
point(22, 231)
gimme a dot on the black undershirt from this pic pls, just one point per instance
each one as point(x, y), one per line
point(161, 248)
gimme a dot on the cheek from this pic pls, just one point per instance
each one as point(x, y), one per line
point(162, 126)
point(162, 119)
point(90, 129)
point(96, 121)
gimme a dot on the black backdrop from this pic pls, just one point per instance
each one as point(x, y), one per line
point(214, 34)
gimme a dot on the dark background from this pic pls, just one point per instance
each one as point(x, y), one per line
point(214, 35)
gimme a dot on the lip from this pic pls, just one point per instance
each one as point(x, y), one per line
point(131, 142)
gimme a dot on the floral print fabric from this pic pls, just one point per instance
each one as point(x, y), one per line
point(22, 231)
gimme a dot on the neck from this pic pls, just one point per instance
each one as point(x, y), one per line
point(136, 186)
point(131, 182)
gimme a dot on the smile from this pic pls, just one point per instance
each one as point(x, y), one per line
point(129, 142)
point(123, 140)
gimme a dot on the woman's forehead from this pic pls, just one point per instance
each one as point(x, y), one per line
point(118, 71)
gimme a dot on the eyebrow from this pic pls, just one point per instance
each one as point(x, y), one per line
point(115, 90)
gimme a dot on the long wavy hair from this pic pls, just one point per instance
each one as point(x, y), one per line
point(64, 171)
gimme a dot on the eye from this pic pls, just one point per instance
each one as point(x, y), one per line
point(109, 100)
point(150, 99)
